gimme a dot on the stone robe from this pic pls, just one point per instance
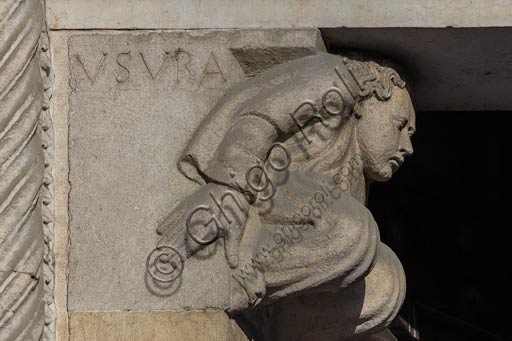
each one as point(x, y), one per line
point(313, 246)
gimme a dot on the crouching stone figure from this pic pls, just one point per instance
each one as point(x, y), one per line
point(285, 160)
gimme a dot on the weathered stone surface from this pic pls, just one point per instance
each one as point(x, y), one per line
point(48, 190)
point(66, 14)
point(21, 172)
point(154, 326)
point(457, 51)
point(59, 112)
point(135, 100)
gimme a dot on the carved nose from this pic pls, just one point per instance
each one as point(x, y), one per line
point(406, 146)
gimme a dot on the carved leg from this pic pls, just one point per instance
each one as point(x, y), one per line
point(338, 242)
point(359, 312)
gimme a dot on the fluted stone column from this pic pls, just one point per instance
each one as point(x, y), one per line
point(21, 171)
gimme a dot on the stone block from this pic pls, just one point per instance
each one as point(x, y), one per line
point(117, 14)
point(154, 326)
point(135, 99)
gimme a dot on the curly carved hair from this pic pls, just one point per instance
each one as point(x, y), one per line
point(374, 79)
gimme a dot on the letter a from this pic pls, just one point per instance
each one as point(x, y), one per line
point(207, 69)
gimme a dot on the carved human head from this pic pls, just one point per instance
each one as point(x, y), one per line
point(385, 118)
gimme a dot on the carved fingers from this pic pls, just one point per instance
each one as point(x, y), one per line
point(212, 212)
point(233, 237)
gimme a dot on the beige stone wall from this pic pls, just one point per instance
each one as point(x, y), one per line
point(154, 326)
point(110, 295)
point(59, 110)
point(158, 14)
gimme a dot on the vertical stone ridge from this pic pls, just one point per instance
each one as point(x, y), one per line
point(47, 190)
point(21, 171)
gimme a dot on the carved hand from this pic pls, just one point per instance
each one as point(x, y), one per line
point(211, 212)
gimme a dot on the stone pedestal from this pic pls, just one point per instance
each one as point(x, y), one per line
point(154, 326)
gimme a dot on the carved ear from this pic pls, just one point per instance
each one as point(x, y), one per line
point(357, 111)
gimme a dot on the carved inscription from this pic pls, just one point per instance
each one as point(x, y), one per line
point(164, 60)
point(124, 73)
point(130, 66)
point(211, 68)
point(182, 58)
point(93, 77)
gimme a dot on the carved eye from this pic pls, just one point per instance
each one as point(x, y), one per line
point(411, 131)
point(401, 122)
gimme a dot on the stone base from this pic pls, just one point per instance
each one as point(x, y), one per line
point(154, 325)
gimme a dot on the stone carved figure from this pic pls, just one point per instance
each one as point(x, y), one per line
point(284, 162)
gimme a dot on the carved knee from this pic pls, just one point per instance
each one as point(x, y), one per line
point(384, 292)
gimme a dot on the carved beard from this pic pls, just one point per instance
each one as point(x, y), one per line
point(385, 172)
point(335, 156)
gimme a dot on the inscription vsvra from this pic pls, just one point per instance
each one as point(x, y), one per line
point(179, 67)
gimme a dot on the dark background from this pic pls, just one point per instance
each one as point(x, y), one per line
point(447, 215)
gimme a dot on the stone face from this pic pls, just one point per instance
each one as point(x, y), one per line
point(154, 326)
point(134, 101)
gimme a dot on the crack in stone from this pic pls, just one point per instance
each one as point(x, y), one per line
point(32, 275)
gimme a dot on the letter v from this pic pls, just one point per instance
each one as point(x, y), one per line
point(100, 64)
point(153, 76)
